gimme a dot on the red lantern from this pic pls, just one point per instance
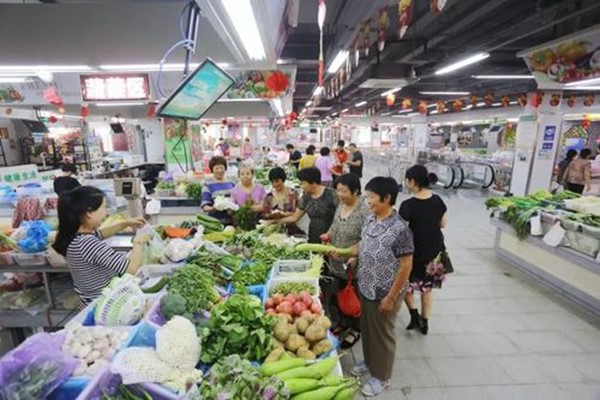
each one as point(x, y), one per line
point(488, 99)
point(473, 101)
point(522, 99)
point(457, 105)
point(537, 100)
point(367, 36)
point(571, 100)
point(588, 100)
point(405, 8)
point(586, 123)
point(383, 23)
point(8, 111)
point(390, 99)
point(505, 100)
point(84, 111)
point(151, 112)
point(52, 119)
point(441, 106)
point(555, 100)
point(422, 107)
point(406, 104)
point(224, 122)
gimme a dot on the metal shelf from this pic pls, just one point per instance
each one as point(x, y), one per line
point(47, 318)
point(33, 268)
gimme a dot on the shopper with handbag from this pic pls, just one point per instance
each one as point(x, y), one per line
point(338, 283)
point(385, 261)
point(425, 213)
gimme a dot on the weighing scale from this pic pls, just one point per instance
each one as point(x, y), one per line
point(131, 190)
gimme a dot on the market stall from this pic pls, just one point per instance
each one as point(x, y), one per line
point(554, 238)
point(214, 311)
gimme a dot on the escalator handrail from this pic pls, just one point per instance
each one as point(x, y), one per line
point(450, 185)
point(462, 177)
point(484, 186)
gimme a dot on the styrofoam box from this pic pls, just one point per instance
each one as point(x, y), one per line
point(277, 280)
point(290, 267)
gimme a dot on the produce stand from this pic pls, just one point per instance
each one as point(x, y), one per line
point(146, 335)
point(570, 264)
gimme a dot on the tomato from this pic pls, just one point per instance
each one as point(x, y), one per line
point(285, 307)
point(291, 298)
point(298, 308)
point(270, 303)
point(278, 299)
point(316, 308)
point(306, 298)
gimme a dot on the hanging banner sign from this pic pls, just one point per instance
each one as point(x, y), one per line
point(266, 84)
point(115, 87)
point(565, 61)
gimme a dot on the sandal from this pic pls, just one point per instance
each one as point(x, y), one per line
point(351, 337)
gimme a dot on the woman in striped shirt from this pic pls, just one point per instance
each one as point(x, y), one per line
point(92, 262)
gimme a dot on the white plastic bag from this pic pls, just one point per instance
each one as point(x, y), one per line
point(154, 248)
point(555, 235)
point(536, 225)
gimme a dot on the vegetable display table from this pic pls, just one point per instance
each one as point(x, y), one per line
point(568, 272)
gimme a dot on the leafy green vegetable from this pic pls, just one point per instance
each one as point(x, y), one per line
point(293, 287)
point(235, 378)
point(245, 218)
point(165, 185)
point(194, 191)
point(196, 285)
point(519, 218)
point(237, 326)
point(252, 274)
point(123, 393)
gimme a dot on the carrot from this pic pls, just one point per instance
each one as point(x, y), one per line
point(325, 393)
point(280, 366)
point(301, 385)
point(177, 233)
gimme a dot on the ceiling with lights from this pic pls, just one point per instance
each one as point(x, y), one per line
point(464, 53)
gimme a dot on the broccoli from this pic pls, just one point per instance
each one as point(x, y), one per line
point(172, 304)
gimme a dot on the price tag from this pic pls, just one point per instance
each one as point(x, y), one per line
point(536, 226)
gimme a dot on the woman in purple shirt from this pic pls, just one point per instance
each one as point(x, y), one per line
point(325, 164)
point(246, 191)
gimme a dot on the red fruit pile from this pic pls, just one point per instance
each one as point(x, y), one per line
point(294, 305)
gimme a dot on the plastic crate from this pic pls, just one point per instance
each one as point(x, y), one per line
point(31, 259)
point(259, 291)
point(277, 280)
point(70, 389)
point(107, 383)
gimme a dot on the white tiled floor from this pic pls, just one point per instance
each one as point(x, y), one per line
point(494, 333)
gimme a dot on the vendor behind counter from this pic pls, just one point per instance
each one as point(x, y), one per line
point(92, 262)
point(219, 186)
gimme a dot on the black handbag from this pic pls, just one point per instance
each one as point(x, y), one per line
point(446, 262)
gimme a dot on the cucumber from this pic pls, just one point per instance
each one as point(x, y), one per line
point(162, 282)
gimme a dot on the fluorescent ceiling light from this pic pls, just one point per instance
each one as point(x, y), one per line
point(360, 104)
point(338, 61)
point(462, 63)
point(344, 110)
point(512, 119)
point(15, 79)
point(445, 93)
point(432, 105)
point(17, 74)
point(585, 82)
point(513, 103)
point(496, 104)
point(413, 114)
point(480, 104)
point(434, 112)
point(121, 104)
point(303, 111)
point(386, 114)
point(318, 91)
point(309, 103)
point(243, 20)
point(503, 77)
point(582, 88)
point(51, 68)
point(406, 111)
point(391, 91)
point(334, 114)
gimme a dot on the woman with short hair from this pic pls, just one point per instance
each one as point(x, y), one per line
point(219, 186)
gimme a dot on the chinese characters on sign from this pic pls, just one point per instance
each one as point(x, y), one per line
point(115, 87)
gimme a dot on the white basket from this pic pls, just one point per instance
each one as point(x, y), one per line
point(285, 267)
point(276, 281)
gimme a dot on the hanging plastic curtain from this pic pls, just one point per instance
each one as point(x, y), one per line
point(321, 20)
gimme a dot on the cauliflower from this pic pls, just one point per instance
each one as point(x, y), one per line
point(177, 344)
point(223, 203)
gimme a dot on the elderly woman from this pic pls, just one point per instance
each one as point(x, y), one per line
point(219, 186)
point(385, 262)
point(345, 232)
point(318, 201)
point(247, 191)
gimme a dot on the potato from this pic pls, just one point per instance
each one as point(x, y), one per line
point(286, 317)
point(302, 325)
point(278, 345)
point(323, 321)
point(275, 355)
point(281, 331)
point(293, 328)
point(322, 347)
point(294, 342)
point(304, 352)
point(315, 332)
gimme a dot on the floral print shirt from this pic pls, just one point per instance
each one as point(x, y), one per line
point(382, 244)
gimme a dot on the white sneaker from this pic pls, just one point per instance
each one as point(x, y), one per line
point(374, 387)
point(359, 369)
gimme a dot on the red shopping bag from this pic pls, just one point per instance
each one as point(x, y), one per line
point(347, 298)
